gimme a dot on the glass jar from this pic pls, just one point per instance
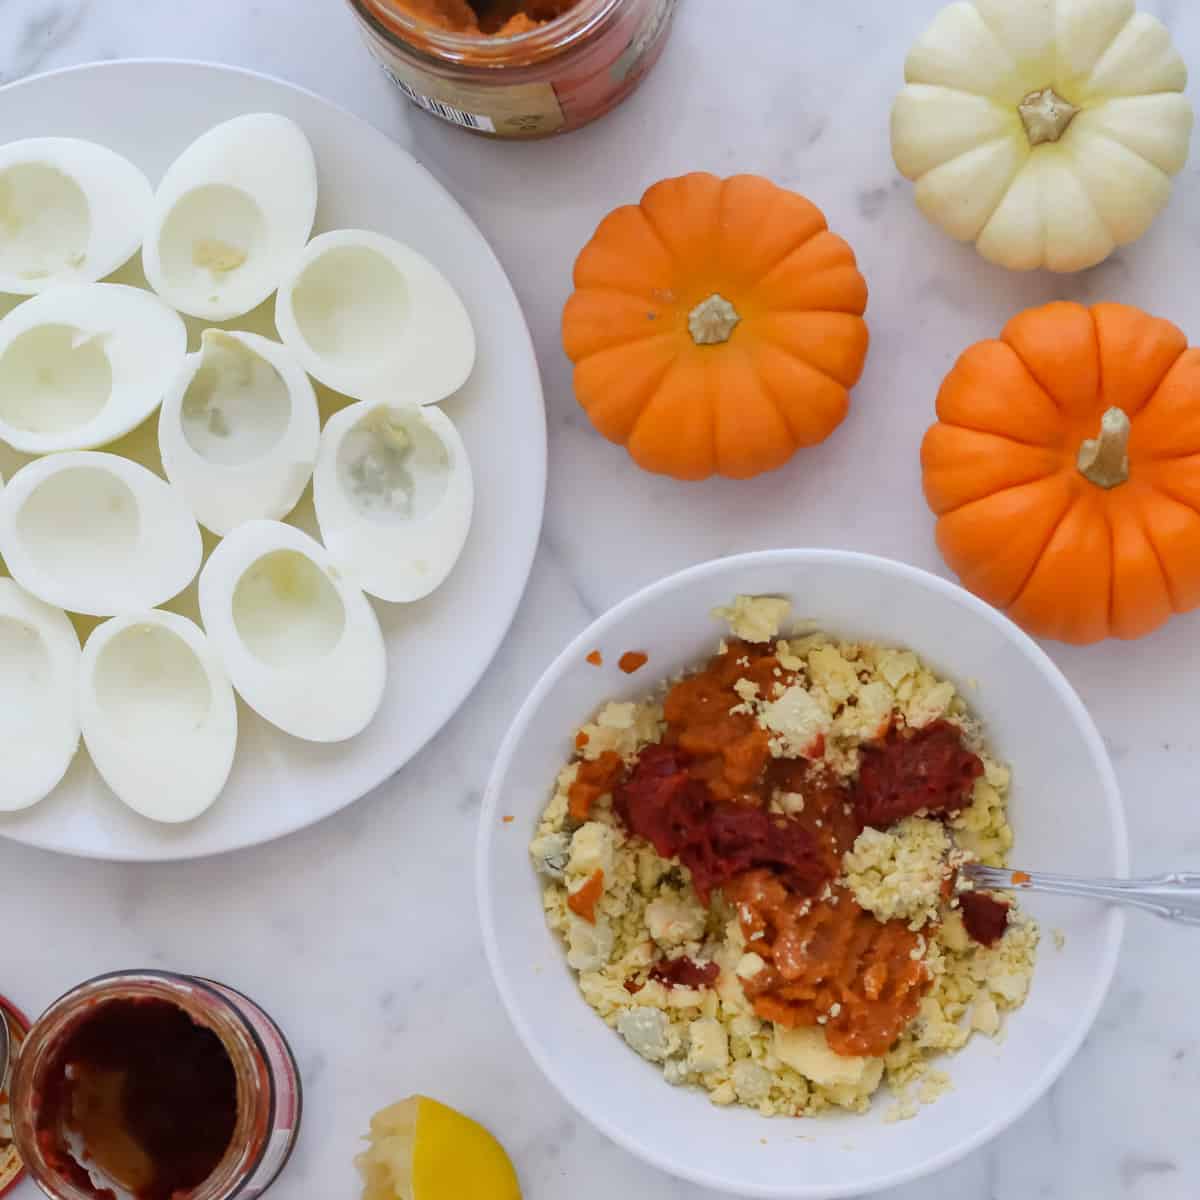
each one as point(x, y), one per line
point(13, 1025)
point(551, 79)
point(267, 1079)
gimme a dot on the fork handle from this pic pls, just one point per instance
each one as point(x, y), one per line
point(1175, 895)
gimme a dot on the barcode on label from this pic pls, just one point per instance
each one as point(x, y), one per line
point(439, 108)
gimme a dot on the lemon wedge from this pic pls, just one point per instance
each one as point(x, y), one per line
point(422, 1150)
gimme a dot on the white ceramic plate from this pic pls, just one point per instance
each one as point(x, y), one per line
point(1066, 816)
point(438, 648)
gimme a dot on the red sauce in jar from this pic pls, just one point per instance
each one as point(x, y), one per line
point(500, 18)
point(150, 1095)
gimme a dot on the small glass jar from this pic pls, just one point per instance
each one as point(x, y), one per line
point(268, 1081)
point(550, 79)
point(13, 1025)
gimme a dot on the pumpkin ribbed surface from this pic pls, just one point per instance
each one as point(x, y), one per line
point(716, 327)
point(1064, 471)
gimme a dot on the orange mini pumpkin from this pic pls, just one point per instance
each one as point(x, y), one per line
point(716, 327)
point(1065, 471)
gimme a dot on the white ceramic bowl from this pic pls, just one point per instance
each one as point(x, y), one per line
point(1066, 814)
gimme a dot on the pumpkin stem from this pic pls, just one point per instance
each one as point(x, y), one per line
point(1046, 115)
point(1104, 460)
point(712, 321)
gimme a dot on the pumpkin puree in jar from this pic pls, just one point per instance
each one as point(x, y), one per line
point(705, 795)
point(493, 18)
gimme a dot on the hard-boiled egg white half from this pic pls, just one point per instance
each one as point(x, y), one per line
point(238, 430)
point(158, 714)
point(39, 722)
point(370, 317)
point(301, 644)
point(230, 215)
point(82, 365)
point(96, 533)
point(393, 492)
point(70, 212)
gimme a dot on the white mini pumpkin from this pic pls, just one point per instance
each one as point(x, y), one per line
point(1044, 131)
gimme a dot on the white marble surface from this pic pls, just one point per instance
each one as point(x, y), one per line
point(360, 935)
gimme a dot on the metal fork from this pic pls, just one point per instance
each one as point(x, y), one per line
point(1175, 896)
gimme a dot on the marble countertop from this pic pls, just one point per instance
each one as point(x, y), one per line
point(360, 935)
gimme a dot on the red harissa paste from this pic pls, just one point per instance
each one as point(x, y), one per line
point(680, 818)
point(924, 770)
point(984, 917)
point(683, 972)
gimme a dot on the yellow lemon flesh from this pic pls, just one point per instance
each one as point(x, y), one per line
point(422, 1150)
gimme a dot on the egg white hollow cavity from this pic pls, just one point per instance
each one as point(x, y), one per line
point(39, 721)
point(96, 533)
point(71, 211)
point(301, 644)
point(238, 430)
point(158, 714)
point(370, 317)
point(82, 365)
point(394, 493)
point(231, 214)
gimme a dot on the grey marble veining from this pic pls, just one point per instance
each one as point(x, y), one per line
point(360, 935)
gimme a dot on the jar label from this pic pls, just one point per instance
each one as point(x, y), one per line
point(12, 1170)
point(644, 41)
point(279, 1148)
point(285, 1080)
point(507, 110)
point(439, 108)
point(574, 87)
